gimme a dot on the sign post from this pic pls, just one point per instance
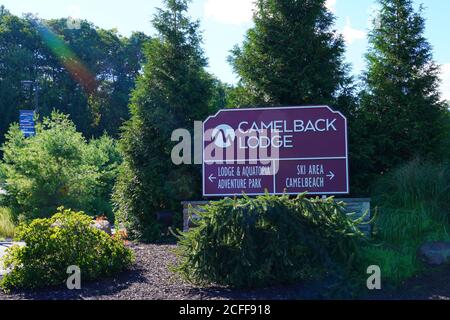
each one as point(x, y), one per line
point(26, 123)
point(287, 150)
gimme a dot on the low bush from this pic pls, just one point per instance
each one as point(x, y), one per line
point(268, 240)
point(58, 167)
point(6, 224)
point(52, 245)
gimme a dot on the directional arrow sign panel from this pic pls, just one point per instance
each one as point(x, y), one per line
point(278, 150)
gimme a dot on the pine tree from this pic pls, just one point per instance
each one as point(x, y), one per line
point(401, 100)
point(292, 56)
point(173, 92)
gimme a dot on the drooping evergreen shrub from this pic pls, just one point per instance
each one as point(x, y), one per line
point(268, 240)
point(52, 245)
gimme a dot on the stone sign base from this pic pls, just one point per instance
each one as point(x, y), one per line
point(356, 206)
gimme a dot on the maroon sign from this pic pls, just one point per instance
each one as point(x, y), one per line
point(279, 150)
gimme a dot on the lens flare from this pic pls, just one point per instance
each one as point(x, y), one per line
point(68, 58)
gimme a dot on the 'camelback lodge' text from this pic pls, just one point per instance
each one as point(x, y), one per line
point(276, 150)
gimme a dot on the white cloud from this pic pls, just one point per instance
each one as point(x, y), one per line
point(234, 12)
point(350, 34)
point(445, 76)
point(331, 5)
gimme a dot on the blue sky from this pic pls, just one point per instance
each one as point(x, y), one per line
point(224, 23)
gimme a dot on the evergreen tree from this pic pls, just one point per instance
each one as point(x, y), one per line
point(173, 92)
point(401, 100)
point(292, 56)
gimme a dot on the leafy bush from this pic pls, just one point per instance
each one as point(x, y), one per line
point(52, 245)
point(58, 167)
point(6, 224)
point(268, 240)
point(414, 208)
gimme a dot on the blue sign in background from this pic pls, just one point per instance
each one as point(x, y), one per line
point(26, 122)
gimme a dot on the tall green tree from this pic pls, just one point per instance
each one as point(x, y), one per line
point(401, 101)
point(173, 92)
point(39, 50)
point(291, 56)
point(294, 56)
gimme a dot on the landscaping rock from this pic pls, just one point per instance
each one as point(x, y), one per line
point(435, 253)
point(103, 225)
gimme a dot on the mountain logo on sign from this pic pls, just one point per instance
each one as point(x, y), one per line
point(223, 136)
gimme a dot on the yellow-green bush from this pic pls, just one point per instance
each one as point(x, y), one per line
point(52, 245)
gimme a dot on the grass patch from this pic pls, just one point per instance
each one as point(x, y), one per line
point(413, 208)
point(396, 266)
point(7, 226)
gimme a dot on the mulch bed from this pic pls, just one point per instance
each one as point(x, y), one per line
point(150, 279)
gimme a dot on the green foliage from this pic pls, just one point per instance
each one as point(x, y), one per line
point(414, 191)
point(58, 167)
point(173, 92)
point(396, 266)
point(96, 95)
point(403, 112)
point(414, 207)
point(292, 56)
point(52, 245)
point(6, 223)
point(268, 240)
point(443, 149)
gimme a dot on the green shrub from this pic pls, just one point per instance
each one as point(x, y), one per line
point(6, 224)
point(52, 245)
point(268, 240)
point(58, 167)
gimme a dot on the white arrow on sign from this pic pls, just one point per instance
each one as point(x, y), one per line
point(331, 175)
point(212, 178)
